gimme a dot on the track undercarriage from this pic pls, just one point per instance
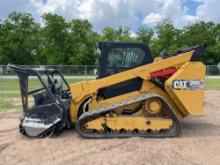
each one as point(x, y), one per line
point(106, 123)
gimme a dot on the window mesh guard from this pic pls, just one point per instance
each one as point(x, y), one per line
point(121, 58)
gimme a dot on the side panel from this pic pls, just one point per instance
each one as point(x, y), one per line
point(85, 89)
point(186, 88)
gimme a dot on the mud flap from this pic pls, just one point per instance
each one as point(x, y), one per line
point(38, 120)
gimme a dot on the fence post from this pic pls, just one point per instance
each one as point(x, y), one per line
point(207, 70)
point(85, 71)
point(219, 68)
point(1, 71)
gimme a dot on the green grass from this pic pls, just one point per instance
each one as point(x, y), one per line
point(9, 95)
point(9, 101)
point(212, 83)
point(5, 105)
point(9, 91)
point(13, 84)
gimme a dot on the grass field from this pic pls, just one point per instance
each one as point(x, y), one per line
point(10, 96)
point(12, 85)
point(212, 83)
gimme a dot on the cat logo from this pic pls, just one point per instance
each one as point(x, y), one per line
point(188, 84)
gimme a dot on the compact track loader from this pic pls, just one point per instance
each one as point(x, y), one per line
point(133, 94)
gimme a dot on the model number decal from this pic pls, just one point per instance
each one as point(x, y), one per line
point(188, 84)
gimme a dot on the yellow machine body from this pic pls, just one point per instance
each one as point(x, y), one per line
point(184, 101)
point(167, 89)
point(183, 92)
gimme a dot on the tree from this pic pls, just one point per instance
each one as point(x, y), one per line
point(54, 40)
point(123, 34)
point(116, 34)
point(167, 37)
point(203, 33)
point(109, 34)
point(18, 39)
point(145, 35)
point(82, 42)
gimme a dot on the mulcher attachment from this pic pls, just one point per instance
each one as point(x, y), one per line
point(38, 120)
point(49, 113)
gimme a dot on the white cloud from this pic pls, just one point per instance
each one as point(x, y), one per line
point(153, 18)
point(172, 9)
point(8, 6)
point(100, 13)
point(133, 34)
point(209, 10)
point(113, 13)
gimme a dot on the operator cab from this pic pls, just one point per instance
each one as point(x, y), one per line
point(117, 57)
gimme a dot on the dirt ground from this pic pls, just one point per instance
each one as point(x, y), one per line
point(198, 144)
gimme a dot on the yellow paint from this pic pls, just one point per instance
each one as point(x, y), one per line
point(183, 102)
point(96, 124)
point(153, 107)
point(130, 123)
point(190, 101)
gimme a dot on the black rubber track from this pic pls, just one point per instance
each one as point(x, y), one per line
point(174, 131)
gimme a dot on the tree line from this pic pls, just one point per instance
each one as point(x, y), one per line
point(57, 41)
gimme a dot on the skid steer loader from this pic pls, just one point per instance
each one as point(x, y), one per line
point(133, 94)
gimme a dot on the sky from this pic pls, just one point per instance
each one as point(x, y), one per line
point(113, 13)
